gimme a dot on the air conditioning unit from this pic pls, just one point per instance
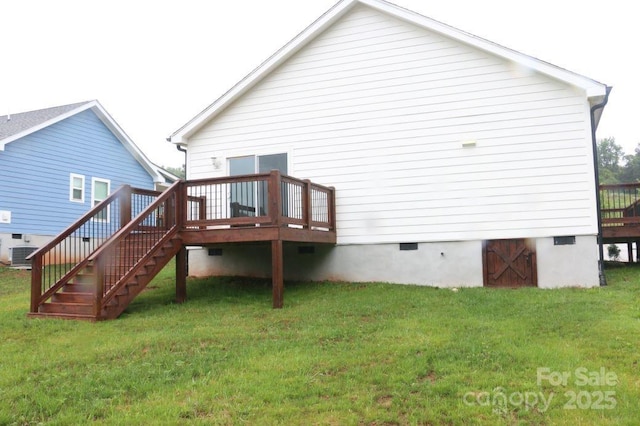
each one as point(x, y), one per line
point(19, 256)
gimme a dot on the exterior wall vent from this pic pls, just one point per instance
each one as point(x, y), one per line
point(19, 256)
point(408, 246)
point(564, 241)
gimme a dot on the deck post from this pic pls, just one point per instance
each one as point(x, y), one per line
point(36, 282)
point(307, 208)
point(630, 252)
point(99, 276)
point(125, 205)
point(181, 275)
point(275, 197)
point(277, 273)
point(332, 208)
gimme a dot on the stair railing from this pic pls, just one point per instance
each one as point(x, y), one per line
point(54, 264)
point(118, 259)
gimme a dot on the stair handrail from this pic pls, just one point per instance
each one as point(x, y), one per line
point(78, 223)
point(37, 294)
point(102, 297)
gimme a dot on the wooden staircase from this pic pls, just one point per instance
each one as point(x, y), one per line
point(101, 285)
point(76, 299)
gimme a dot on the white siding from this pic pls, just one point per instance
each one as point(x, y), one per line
point(380, 109)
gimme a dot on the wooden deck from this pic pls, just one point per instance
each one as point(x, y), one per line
point(98, 265)
point(620, 213)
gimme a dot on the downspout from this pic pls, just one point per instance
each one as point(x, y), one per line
point(603, 279)
point(180, 148)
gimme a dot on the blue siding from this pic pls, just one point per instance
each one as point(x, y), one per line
point(35, 173)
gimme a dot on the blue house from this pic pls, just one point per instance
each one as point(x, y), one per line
point(55, 164)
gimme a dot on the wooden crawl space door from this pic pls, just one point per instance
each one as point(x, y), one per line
point(509, 263)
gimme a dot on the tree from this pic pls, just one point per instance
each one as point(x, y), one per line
point(630, 172)
point(178, 171)
point(609, 156)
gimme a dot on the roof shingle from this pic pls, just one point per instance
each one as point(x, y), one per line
point(16, 123)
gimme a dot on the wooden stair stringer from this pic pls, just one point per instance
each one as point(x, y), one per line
point(143, 275)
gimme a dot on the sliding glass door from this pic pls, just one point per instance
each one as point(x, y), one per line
point(251, 198)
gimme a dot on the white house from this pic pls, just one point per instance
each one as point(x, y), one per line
point(456, 161)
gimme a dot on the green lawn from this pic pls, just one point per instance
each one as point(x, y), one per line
point(336, 354)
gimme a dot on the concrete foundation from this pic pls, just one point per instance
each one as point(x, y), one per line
point(440, 264)
point(573, 265)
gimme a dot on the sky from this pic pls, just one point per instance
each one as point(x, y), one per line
point(155, 65)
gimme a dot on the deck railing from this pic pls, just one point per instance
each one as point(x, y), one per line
point(56, 262)
point(259, 200)
point(620, 204)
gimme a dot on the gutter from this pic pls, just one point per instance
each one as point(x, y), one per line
point(603, 279)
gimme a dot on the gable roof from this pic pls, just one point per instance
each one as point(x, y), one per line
point(594, 90)
point(17, 126)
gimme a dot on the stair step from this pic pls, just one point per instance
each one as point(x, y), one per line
point(62, 316)
point(78, 288)
point(84, 278)
point(66, 308)
point(72, 297)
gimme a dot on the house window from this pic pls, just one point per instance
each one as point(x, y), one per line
point(76, 188)
point(99, 192)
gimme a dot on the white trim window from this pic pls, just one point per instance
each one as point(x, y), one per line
point(76, 188)
point(100, 189)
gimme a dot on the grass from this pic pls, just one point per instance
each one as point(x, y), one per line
point(338, 353)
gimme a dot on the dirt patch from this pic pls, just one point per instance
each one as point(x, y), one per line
point(430, 377)
point(385, 401)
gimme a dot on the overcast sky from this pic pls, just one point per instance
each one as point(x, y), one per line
point(155, 65)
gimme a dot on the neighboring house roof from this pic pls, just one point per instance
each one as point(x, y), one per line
point(17, 126)
point(594, 90)
point(167, 175)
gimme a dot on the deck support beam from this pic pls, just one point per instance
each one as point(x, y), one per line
point(277, 273)
point(181, 275)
